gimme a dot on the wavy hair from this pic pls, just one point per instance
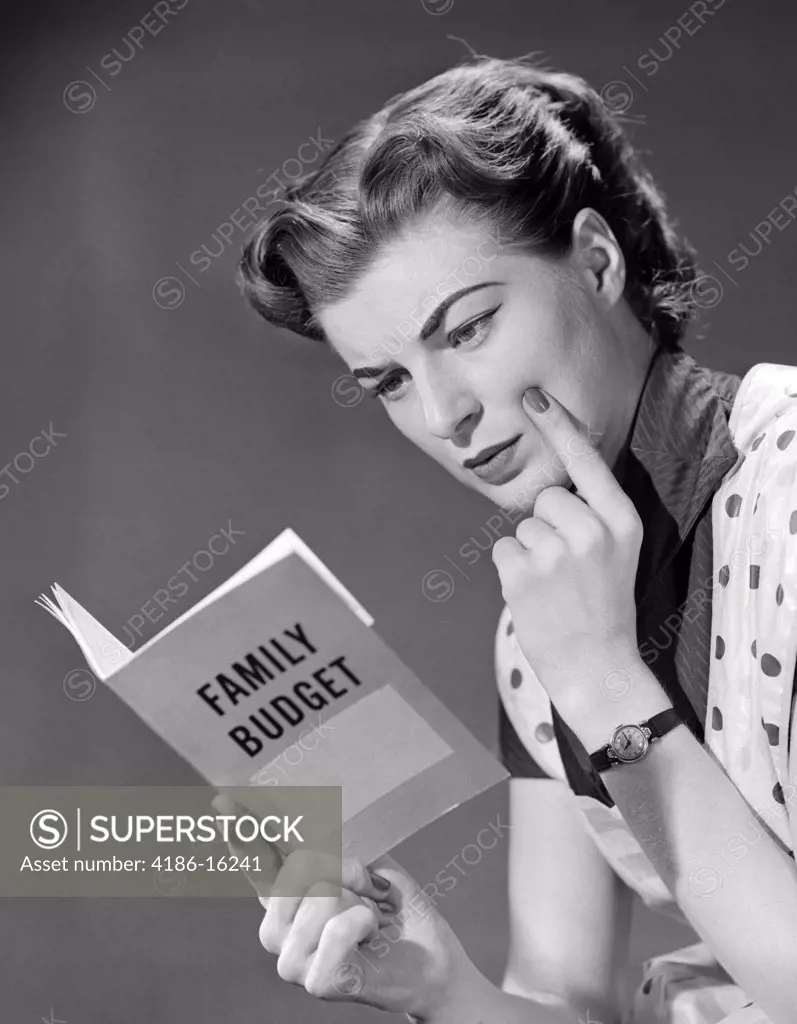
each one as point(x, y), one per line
point(506, 141)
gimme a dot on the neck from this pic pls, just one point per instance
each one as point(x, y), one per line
point(632, 352)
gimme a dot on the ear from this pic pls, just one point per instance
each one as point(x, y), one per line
point(597, 256)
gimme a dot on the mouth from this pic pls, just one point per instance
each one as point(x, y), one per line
point(491, 463)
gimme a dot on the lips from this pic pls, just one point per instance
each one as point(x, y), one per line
point(486, 454)
point(497, 465)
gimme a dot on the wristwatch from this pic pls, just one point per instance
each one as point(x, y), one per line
point(630, 743)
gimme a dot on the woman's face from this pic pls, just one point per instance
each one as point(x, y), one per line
point(447, 330)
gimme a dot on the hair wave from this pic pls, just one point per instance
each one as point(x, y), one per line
point(523, 147)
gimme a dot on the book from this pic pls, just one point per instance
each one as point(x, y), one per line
point(277, 678)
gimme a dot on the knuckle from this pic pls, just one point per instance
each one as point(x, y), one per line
point(317, 986)
point(523, 538)
point(550, 557)
point(502, 546)
point(629, 525)
point(553, 492)
point(290, 970)
point(511, 583)
point(561, 457)
point(337, 930)
point(300, 861)
point(323, 890)
point(590, 535)
point(302, 868)
point(355, 875)
point(269, 939)
point(370, 906)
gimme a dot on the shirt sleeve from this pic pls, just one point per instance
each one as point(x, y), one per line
point(514, 756)
point(513, 752)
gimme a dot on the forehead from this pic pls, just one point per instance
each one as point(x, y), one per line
point(435, 256)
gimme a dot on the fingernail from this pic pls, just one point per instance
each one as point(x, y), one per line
point(536, 399)
point(380, 883)
point(386, 908)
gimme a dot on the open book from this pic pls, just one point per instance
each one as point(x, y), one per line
point(276, 678)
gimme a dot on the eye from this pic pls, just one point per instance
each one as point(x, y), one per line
point(473, 330)
point(389, 387)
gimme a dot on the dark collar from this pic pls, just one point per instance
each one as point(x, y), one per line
point(679, 448)
point(677, 451)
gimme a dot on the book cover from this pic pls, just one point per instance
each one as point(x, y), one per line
point(279, 680)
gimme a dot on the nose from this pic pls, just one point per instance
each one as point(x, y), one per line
point(450, 407)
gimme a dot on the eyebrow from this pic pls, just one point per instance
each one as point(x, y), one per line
point(430, 325)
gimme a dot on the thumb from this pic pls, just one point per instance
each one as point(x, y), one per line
point(406, 891)
point(269, 857)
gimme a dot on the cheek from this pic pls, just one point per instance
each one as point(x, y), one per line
point(408, 420)
point(534, 352)
point(411, 425)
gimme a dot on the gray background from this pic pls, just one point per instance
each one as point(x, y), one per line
point(180, 420)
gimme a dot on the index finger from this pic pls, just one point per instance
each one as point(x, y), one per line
point(581, 459)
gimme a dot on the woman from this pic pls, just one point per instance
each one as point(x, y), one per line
point(492, 263)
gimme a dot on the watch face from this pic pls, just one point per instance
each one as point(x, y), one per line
point(629, 743)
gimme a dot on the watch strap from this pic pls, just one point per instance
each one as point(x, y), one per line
point(656, 726)
point(662, 723)
point(601, 760)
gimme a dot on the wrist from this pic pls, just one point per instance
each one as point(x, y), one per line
point(620, 690)
point(463, 996)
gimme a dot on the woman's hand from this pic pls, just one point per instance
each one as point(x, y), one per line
point(344, 944)
point(569, 575)
point(376, 940)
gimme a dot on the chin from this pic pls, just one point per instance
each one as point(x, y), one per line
point(521, 493)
